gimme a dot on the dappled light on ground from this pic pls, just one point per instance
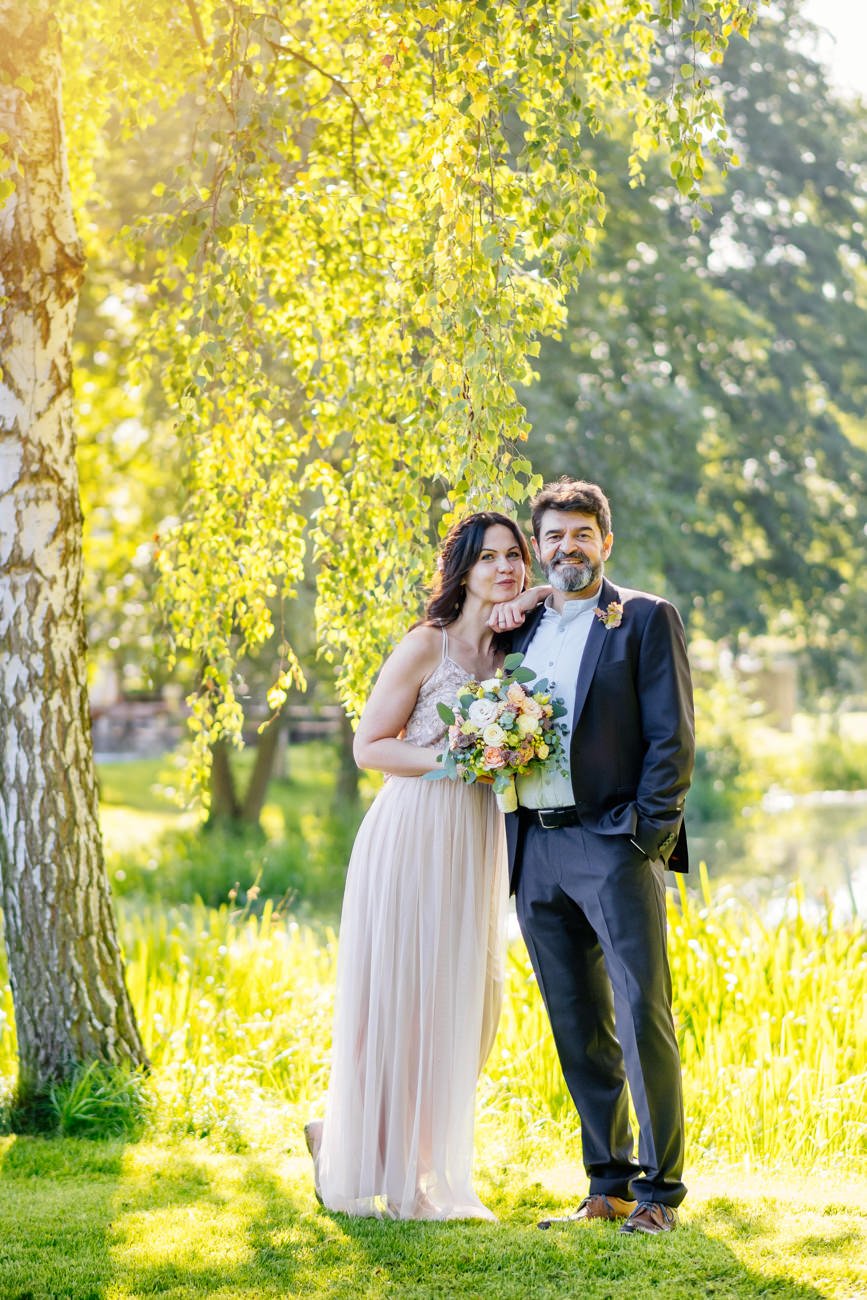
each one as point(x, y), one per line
point(187, 1220)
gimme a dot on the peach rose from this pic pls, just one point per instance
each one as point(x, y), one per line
point(493, 757)
point(516, 696)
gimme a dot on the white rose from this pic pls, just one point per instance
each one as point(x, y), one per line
point(494, 735)
point(527, 724)
point(481, 712)
point(492, 684)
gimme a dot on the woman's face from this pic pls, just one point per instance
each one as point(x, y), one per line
point(498, 573)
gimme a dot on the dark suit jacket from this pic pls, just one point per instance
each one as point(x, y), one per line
point(633, 735)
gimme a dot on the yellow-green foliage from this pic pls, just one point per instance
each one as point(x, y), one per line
point(236, 1012)
point(369, 218)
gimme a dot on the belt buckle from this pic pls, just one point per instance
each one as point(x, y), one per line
point(542, 814)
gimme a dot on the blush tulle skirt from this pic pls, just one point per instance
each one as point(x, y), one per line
point(419, 989)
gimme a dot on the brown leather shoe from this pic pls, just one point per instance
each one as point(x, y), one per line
point(652, 1217)
point(596, 1206)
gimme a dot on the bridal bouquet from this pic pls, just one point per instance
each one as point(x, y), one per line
point(502, 728)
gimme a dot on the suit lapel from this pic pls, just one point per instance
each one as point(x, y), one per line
point(592, 650)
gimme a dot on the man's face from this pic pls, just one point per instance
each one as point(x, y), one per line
point(571, 550)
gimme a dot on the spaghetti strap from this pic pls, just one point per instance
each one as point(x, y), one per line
point(445, 653)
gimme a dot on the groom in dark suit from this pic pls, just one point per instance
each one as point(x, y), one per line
point(587, 850)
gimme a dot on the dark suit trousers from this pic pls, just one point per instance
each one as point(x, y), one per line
point(592, 913)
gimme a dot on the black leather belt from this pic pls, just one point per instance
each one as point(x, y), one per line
point(550, 818)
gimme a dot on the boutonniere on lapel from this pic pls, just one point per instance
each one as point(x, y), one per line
point(612, 616)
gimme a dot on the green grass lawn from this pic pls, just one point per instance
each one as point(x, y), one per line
point(236, 1013)
point(81, 1219)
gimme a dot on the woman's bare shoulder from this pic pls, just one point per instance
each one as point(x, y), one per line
point(425, 636)
point(420, 648)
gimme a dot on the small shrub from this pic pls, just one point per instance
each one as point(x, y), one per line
point(100, 1101)
point(307, 864)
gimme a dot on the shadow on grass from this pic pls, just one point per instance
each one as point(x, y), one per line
point(56, 1205)
point(746, 1223)
point(250, 1237)
point(510, 1260)
point(82, 1220)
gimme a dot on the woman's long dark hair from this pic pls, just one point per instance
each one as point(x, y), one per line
point(460, 551)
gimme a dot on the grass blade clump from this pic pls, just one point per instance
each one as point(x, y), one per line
point(100, 1101)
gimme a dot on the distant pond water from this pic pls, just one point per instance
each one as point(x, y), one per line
point(819, 839)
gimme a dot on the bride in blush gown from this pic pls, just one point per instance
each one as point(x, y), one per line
point(422, 943)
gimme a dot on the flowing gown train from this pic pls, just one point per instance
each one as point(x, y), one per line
point(419, 988)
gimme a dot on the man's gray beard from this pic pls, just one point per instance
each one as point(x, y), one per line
point(573, 577)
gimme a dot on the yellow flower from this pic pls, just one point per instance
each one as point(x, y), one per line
point(527, 724)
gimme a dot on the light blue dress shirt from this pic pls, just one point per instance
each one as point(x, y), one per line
point(555, 652)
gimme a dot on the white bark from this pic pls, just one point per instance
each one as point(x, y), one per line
point(71, 1004)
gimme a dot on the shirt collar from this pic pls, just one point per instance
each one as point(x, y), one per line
point(572, 609)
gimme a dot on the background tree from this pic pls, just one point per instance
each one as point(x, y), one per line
point(716, 378)
point(64, 961)
point(386, 208)
point(380, 214)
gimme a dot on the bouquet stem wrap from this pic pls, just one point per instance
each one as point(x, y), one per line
point(507, 798)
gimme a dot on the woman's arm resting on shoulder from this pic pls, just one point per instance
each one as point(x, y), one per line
point(509, 614)
point(389, 705)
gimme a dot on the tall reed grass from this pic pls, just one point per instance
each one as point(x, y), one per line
point(236, 1013)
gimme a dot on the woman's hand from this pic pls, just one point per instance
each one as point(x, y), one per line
point(510, 614)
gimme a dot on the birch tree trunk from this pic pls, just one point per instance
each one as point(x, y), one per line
point(71, 1003)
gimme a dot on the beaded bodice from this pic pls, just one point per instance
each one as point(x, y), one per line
point(425, 727)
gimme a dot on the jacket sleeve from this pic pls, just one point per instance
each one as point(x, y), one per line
point(668, 730)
